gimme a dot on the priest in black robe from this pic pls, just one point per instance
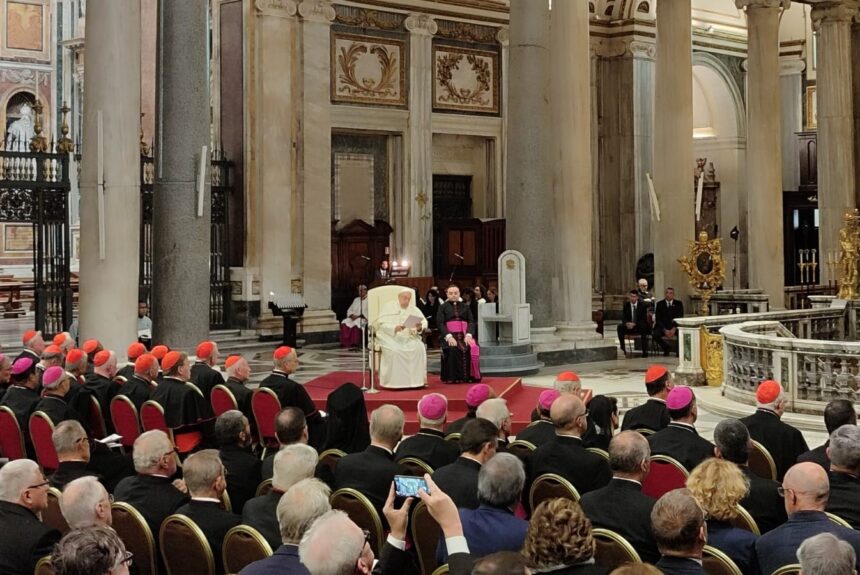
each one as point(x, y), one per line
point(292, 394)
point(203, 372)
point(651, 415)
point(460, 359)
point(186, 411)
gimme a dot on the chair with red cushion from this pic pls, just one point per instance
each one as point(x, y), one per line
point(152, 417)
point(97, 420)
point(665, 475)
point(41, 429)
point(266, 405)
point(123, 414)
point(11, 438)
point(222, 400)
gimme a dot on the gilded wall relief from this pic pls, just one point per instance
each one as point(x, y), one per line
point(368, 70)
point(465, 80)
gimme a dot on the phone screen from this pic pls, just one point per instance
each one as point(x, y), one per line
point(407, 486)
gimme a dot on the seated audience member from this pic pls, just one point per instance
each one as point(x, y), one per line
point(101, 381)
point(475, 396)
point(238, 372)
point(186, 410)
point(73, 451)
point(501, 563)
point(140, 384)
point(460, 479)
point(56, 383)
point(347, 428)
point(784, 442)
point(133, 352)
point(34, 345)
point(681, 534)
point(290, 428)
point(826, 554)
point(621, 506)
point(665, 313)
point(23, 497)
point(680, 440)
point(77, 365)
point(844, 454)
point(372, 470)
point(559, 539)
point(352, 326)
point(23, 394)
point(541, 430)
point(634, 321)
point(5, 373)
point(636, 569)
point(496, 411)
point(204, 478)
point(85, 502)
point(718, 486)
point(152, 491)
point(292, 394)
point(429, 443)
point(233, 434)
point(763, 500)
point(837, 413)
point(805, 489)
point(292, 464)
point(566, 455)
point(93, 550)
point(203, 372)
point(300, 506)
point(602, 422)
point(652, 414)
point(565, 382)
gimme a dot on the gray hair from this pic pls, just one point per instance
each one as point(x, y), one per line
point(79, 501)
point(229, 426)
point(15, 477)
point(386, 424)
point(845, 447)
point(494, 410)
point(775, 403)
point(332, 545)
point(501, 480)
point(200, 471)
point(300, 506)
point(67, 435)
point(96, 549)
point(292, 464)
point(825, 554)
point(149, 448)
point(627, 451)
point(567, 386)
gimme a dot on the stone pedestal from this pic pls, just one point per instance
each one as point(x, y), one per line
point(110, 237)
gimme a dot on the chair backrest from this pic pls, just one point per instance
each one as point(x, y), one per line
point(152, 417)
point(242, 546)
point(97, 419)
point(601, 452)
point(838, 520)
point(415, 466)
point(743, 520)
point(184, 547)
point(550, 486)
point(223, 400)
point(265, 405)
point(362, 512)
point(612, 550)
point(793, 569)
point(41, 429)
point(644, 431)
point(716, 562)
point(330, 457)
point(11, 438)
point(44, 567)
point(453, 437)
point(376, 300)
point(665, 475)
point(135, 534)
point(425, 535)
point(53, 515)
point(123, 414)
point(761, 461)
point(442, 570)
point(521, 448)
point(264, 487)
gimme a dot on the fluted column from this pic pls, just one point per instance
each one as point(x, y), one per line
point(836, 184)
point(504, 38)
point(673, 144)
point(764, 148)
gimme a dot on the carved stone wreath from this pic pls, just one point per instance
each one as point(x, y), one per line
point(447, 64)
point(383, 87)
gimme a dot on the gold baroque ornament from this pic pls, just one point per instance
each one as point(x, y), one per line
point(711, 345)
point(705, 267)
point(849, 252)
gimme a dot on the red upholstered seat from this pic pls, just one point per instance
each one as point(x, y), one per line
point(222, 400)
point(123, 413)
point(97, 420)
point(152, 417)
point(665, 475)
point(41, 429)
point(11, 438)
point(265, 405)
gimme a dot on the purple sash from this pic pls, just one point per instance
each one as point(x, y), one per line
point(458, 328)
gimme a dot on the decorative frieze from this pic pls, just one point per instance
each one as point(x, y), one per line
point(364, 18)
point(317, 11)
point(277, 8)
point(368, 70)
point(466, 32)
point(465, 80)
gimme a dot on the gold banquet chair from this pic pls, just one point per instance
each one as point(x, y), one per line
point(184, 547)
point(362, 512)
point(550, 486)
point(377, 298)
point(716, 562)
point(132, 528)
point(611, 550)
point(243, 545)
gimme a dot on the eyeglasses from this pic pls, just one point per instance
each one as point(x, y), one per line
point(128, 560)
point(171, 452)
point(45, 483)
point(367, 536)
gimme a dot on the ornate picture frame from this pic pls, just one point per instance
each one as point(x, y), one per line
point(369, 70)
point(466, 80)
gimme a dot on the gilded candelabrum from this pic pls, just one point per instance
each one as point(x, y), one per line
point(705, 267)
point(849, 245)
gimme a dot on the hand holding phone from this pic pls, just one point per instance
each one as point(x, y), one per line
point(408, 486)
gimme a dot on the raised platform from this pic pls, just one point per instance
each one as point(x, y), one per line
point(503, 360)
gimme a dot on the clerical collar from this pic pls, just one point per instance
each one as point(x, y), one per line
point(281, 372)
point(657, 399)
point(686, 426)
point(206, 499)
point(174, 378)
point(639, 483)
point(577, 437)
point(381, 447)
point(768, 411)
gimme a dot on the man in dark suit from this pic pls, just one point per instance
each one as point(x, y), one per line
point(652, 414)
point(238, 372)
point(152, 492)
point(460, 479)
point(292, 394)
point(665, 314)
point(844, 452)
point(634, 321)
point(566, 455)
point(203, 372)
point(541, 431)
point(23, 496)
point(621, 506)
point(806, 490)
point(680, 532)
point(73, 452)
point(837, 413)
point(763, 500)
point(204, 477)
point(784, 442)
point(290, 427)
point(140, 385)
point(680, 440)
point(233, 434)
point(429, 443)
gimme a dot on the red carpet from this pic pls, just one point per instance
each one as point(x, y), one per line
point(521, 398)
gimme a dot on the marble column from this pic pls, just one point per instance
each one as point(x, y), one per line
point(529, 186)
point(855, 89)
point(764, 148)
point(570, 104)
point(673, 145)
point(791, 108)
point(503, 36)
point(181, 233)
point(418, 203)
point(111, 156)
point(836, 184)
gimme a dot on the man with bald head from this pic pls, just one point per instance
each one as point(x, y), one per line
point(85, 502)
point(238, 373)
point(805, 489)
point(566, 455)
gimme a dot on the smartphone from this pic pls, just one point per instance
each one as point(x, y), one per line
point(408, 486)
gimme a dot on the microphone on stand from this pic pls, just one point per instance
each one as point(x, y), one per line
point(461, 258)
point(364, 258)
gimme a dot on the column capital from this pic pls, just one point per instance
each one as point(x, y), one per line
point(503, 36)
point(277, 8)
point(832, 12)
point(749, 4)
point(320, 11)
point(421, 24)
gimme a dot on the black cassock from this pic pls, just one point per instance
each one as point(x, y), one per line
point(456, 359)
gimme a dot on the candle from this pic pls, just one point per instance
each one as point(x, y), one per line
point(800, 253)
point(813, 256)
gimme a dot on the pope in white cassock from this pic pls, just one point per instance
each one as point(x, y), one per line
point(404, 357)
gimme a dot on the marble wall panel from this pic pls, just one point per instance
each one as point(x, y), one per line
point(368, 70)
point(465, 80)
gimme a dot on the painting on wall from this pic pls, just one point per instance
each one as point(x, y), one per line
point(465, 80)
point(24, 24)
point(18, 238)
point(368, 70)
point(811, 108)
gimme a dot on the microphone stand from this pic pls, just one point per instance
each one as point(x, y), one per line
point(454, 270)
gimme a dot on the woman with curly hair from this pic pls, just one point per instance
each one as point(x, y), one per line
point(559, 540)
point(718, 485)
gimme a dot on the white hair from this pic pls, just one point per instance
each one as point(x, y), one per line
point(79, 501)
point(845, 447)
point(300, 506)
point(494, 410)
point(332, 546)
point(292, 464)
point(567, 386)
point(15, 477)
point(501, 480)
point(825, 554)
point(386, 424)
point(149, 448)
point(773, 404)
point(66, 436)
